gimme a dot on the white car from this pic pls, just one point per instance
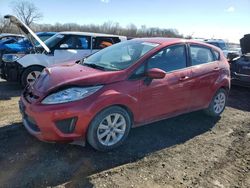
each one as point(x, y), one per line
point(62, 47)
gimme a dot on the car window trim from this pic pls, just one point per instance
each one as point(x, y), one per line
point(202, 46)
point(145, 63)
point(67, 37)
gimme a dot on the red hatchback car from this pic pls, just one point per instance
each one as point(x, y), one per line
point(123, 86)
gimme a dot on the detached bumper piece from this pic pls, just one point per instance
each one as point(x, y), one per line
point(66, 126)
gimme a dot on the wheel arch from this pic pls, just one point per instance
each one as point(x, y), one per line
point(35, 65)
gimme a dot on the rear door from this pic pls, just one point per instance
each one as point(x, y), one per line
point(170, 95)
point(205, 72)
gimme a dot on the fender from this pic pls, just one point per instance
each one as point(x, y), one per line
point(223, 81)
point(36, 59)
point(112, 98)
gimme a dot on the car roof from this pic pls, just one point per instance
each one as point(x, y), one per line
point(46, 33)
point(215, 40)
point(171, 40)
point(89, 34)
point(10, 35)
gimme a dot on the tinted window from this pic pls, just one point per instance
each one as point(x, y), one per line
point(201, 55)
point(169, 59)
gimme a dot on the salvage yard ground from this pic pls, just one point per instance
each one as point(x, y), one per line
point(191, 150)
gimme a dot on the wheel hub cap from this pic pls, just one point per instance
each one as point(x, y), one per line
point(219, 102)
point(111, 129)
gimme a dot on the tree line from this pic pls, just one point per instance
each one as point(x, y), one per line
point(108, 27)
point(30, 14)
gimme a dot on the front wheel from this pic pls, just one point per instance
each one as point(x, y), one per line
point(109, 129)
point(217, 104)
point(30, 75)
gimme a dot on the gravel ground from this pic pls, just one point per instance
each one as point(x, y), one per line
point(192, 150)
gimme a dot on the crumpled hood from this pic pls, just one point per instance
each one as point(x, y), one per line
point(72, 74)
point(15, 47)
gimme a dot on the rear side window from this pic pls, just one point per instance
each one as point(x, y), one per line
point(217, 55)
point(201, 55)
point(103, 42)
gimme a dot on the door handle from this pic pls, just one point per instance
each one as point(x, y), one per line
point(184, 78)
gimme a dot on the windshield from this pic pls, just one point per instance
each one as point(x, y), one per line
point(119, 56)
point(54, 40)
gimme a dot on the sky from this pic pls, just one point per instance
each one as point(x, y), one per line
point(224, 19)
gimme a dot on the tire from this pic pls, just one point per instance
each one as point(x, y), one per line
point(33, 72)
point(218, 103)
point(100, 130)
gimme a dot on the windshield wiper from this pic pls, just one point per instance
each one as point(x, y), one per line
point(95, 66)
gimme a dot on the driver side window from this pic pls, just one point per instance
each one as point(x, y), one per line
point(169, 59)
point(76, 42)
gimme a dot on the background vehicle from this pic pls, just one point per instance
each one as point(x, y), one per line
point(24, 45)
point(240, 67)
point(227, 51)
point(62, 47)
point(9, 38)
point(131, 83)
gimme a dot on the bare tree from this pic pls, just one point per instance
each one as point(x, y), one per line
point(3, 24)
point(26, 11)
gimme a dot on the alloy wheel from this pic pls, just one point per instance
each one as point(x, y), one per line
point(219, 102)
point(32, 76)
point(111, 129)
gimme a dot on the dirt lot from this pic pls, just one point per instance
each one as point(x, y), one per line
point(192, 150)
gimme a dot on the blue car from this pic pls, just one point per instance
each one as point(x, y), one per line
point(23, 45)
point(6, 38)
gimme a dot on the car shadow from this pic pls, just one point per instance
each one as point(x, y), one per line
point(27, 162)
point(239, 98)
point(9, 90)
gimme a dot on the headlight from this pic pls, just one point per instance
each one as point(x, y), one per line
point(71, 94)
point(9, 58)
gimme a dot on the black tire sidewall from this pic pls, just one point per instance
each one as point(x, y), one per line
point(26, 73)
point(92, 130)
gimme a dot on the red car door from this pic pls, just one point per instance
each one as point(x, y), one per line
point(205, 71)
point(171, 95)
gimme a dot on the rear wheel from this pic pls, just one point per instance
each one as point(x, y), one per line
point(30, 75)
point(217, 104)
point(109, 129)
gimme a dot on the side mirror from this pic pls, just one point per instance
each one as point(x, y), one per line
point(64, 46)
point(156, 73)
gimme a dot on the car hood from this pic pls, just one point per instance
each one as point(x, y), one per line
point(15, 47)
point(27, 31)
point(72, 74)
